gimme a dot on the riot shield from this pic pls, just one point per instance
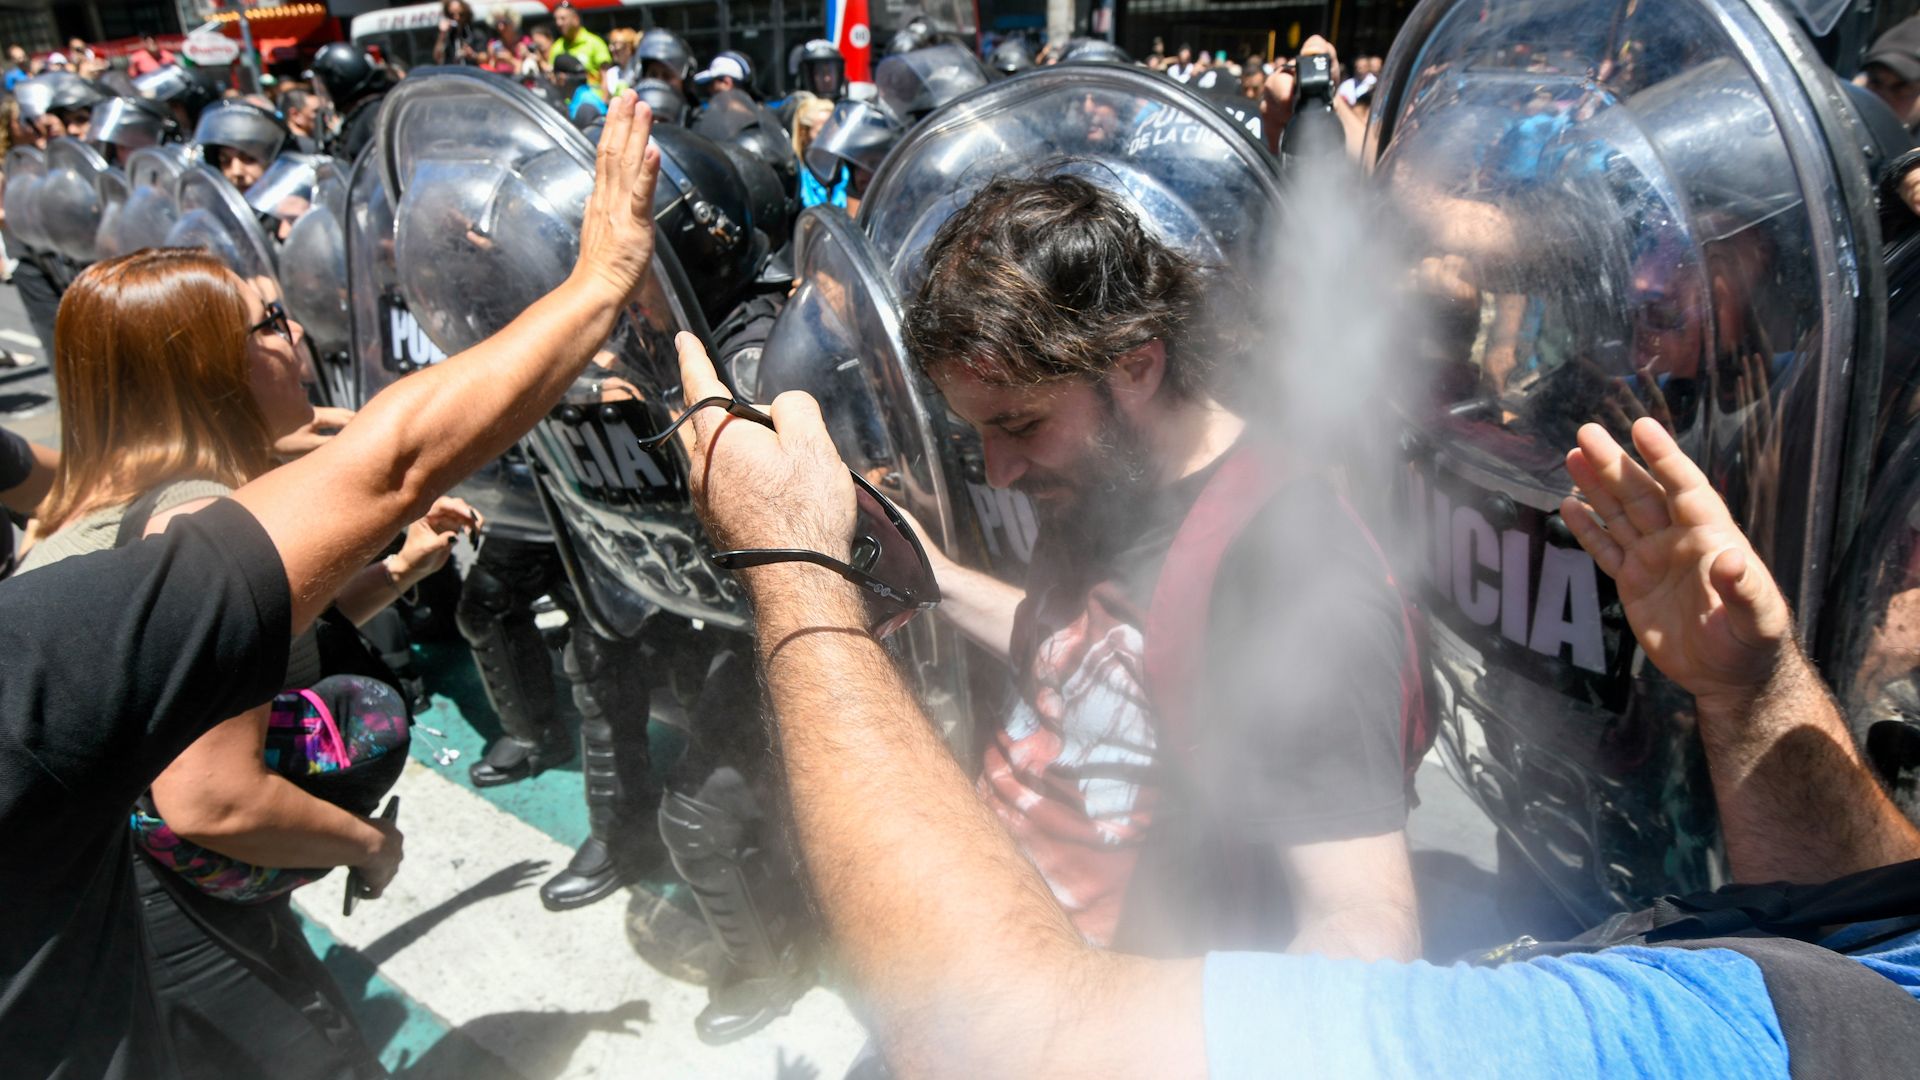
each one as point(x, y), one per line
point(150, 210)
point(114, 190)
point(313, 272)
point(489, 186)
point(1195, 179)
point(915, 83)
point(71, 199)
point(839, 339)
point(1194, 176)
point(215, 217)
point(26, 173)
point(1616, 210)
point(387, 343)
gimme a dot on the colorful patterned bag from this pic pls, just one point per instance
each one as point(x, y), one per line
point(343, 740)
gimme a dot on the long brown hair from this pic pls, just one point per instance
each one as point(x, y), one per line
point(150, 356)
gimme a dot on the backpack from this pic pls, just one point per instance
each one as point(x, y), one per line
point(1839, 1017)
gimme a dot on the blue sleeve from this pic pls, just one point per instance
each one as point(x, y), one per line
point(1626, 1012)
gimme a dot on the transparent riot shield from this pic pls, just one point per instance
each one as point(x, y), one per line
point(915, 83)
point(1194, 176)
point(150, 211)
point(214, 216)
point(313, 272)
point(114, 190)
point(387, 343)
point(489, 186)
point(72, 199)
point(1616, 210)
point(839, 339)
point(26, 173)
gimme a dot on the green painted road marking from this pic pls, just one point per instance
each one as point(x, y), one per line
point(411, 1041)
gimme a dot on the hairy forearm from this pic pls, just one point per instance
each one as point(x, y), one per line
point(1797, 801)
point(965, 962)
point(980, 605)
point(421, 436)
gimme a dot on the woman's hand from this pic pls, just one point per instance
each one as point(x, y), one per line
point(326, 423)
point(429, 542)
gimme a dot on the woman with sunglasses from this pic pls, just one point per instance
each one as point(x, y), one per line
point(175, 380)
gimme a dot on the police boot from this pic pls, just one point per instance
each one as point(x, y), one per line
point(748, 902)
point(495, 615)
point(611, 692)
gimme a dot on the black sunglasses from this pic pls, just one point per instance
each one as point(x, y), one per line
point(275, 321)
point(887, 561)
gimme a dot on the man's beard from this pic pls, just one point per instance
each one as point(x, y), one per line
point(1109, 488)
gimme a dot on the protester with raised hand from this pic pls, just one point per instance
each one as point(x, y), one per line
point(967, 966)
point(111, 663)
point(1797, 801)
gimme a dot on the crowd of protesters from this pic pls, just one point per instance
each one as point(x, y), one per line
point(179, 655)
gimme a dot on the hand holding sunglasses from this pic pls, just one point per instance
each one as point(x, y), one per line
point(884, 557)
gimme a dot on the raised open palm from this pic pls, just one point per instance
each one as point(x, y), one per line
point(1701, 603)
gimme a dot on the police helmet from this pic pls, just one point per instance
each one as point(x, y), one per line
point(858, 134)
point(705, 211)
point(346, 73)
point(242, 126)
point(668, 106)
point(769, 196)
point(131, 123)
point(819, 68)
point(179, 87)
point(1093, 51)
point(666, 48)
point(1011, 57)
point(56, 91)
point(916, 83)
point(732, 118)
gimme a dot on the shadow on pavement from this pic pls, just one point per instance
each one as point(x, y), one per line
point(547, 1041)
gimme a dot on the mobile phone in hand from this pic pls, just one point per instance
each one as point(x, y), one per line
point(356, 888)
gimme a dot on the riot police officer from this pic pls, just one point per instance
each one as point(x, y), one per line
point(58, 103)
point(125, 124)
point(240, 139)
point(180, 90)
point(355, 86)
point(820, 70)
point(663, 55)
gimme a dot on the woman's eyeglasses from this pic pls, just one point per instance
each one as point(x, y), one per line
point(275, 321)
point(887, 561)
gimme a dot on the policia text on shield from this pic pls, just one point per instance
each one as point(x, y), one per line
point(107, 719)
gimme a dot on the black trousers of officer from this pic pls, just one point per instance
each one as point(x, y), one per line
point(610, 680)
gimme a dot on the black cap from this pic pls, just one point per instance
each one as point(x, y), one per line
point(1898, 50)
point(569, 64)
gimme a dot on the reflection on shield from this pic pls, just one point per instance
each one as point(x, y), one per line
point(26, 171)
point(214, 216)
point(1192, 175)
point(1618, 211)
point(313, 272)
point(72, 198)
point(150, 210)
point(488, 187)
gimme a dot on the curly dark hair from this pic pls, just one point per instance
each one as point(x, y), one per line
point(1049, 278)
